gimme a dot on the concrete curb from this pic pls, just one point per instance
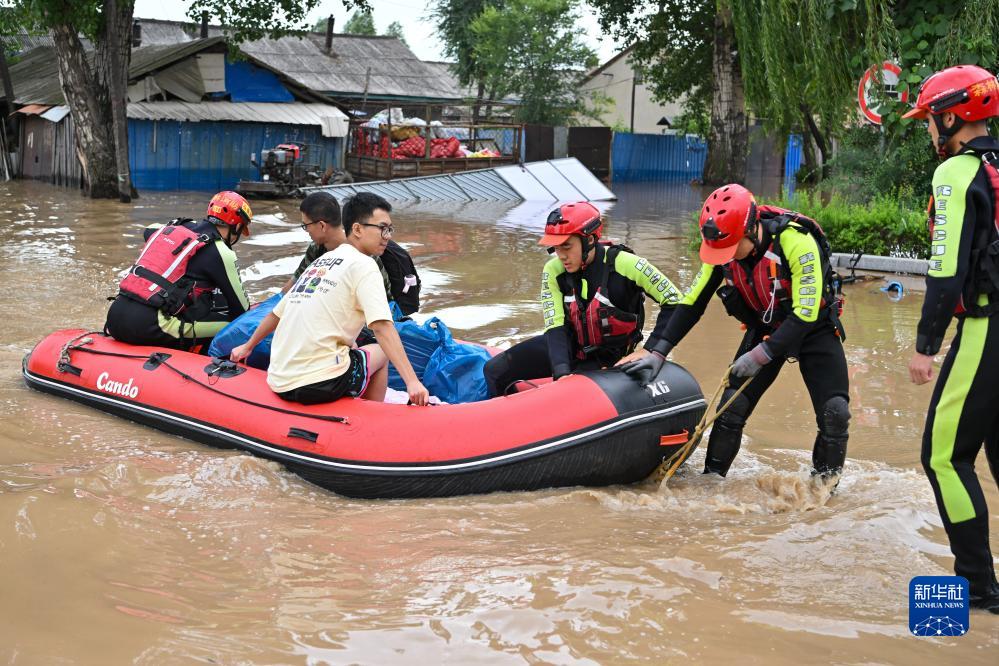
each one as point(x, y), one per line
point(869, 262)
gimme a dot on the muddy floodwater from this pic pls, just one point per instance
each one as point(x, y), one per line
point(121, 544)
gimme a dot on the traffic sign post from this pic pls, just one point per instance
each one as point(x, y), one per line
point(867, 90)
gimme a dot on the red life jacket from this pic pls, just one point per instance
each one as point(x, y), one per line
point(158, 276)
point(600, 324)
point(983, 276)
point(766, 289)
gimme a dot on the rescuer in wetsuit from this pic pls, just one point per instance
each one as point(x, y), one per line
point(592, 299)
point(775, 265)
point(962, 281)
point(184, 287)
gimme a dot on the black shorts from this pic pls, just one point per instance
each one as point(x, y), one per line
point(351, 383)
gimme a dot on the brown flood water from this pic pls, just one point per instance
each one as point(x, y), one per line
point(121, 544)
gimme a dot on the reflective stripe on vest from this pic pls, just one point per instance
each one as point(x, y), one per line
point(763, 287)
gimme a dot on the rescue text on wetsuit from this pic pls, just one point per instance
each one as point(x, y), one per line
point(631, 274)
point(962, 208)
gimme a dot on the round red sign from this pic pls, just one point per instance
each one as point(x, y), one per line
point(866, 90)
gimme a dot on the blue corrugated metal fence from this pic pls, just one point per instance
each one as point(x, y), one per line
point(209, 156)
point(657, 157)
point(636, 157)
point(792, 163)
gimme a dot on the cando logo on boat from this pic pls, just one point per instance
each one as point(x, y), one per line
point(126, 390)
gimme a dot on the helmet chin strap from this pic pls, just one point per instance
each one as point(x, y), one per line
point(229, 240)
point(586, 247)
point(944, 133)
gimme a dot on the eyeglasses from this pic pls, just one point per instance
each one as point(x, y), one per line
point(386, 229)
point(305, 225)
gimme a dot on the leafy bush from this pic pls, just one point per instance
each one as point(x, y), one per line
point(886, 226)
point(868, 166)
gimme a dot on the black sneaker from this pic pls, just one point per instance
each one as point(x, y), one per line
point(989, 603)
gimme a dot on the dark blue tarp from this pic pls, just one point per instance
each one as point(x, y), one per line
point(245, 82)
point(450, 370)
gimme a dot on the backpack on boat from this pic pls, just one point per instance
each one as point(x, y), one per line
point(403, 278)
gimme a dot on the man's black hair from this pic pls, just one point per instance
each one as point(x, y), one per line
point(321, 207)
point(360, 207)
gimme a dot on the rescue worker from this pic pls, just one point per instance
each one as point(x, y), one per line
point(184, 287)
point(775, 266)
point(962, 281)
point(592, 298)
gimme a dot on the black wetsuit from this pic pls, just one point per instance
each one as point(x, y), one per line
point(212, 267)
point(556, 351)
point(803, 328)
point(964, 410)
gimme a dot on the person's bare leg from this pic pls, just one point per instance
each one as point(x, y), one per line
point(377, 373)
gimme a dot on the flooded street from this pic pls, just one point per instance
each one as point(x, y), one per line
point(121, 544)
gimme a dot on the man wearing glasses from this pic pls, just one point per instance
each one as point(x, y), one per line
point(315, 325)
point(321, 220)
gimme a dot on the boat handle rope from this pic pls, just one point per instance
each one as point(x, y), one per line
point(668, 467)
point(156, 358)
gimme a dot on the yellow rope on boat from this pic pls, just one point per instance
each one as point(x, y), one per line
point(668, 467)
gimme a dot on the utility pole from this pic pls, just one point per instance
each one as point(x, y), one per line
point(636, 80)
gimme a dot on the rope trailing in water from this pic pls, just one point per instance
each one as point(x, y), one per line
point(668, 467)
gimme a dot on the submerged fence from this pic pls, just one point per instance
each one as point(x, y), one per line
point(642, 157)
point(636, 157)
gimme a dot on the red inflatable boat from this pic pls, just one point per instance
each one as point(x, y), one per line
point(592, 429)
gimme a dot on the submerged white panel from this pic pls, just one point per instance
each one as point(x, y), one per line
point(583, 179)
point(524, 183)
point(536, 182)
point(554, 182)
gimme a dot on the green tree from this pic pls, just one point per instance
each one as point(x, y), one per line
point(670, 45)
point(924, 36)
point(87, 84)
point(801, 61)
point(686, 50)
point(394, 29)
point(532, 49)
point(453, 19)
point(361, 22)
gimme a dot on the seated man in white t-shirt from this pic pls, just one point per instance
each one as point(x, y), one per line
point(316, 323)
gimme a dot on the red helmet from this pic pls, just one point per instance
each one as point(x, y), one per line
point(232, 209)
point(728, 214)
point(575, 219)
point(970, 92)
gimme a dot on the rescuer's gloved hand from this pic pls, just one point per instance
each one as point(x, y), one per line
point(646, 368)
point(750, 363)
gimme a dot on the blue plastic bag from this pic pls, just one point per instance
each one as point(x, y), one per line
point(454, 373)
point(239, 331)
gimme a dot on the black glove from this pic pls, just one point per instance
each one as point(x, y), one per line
point(750, 363)
point(646, 368)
